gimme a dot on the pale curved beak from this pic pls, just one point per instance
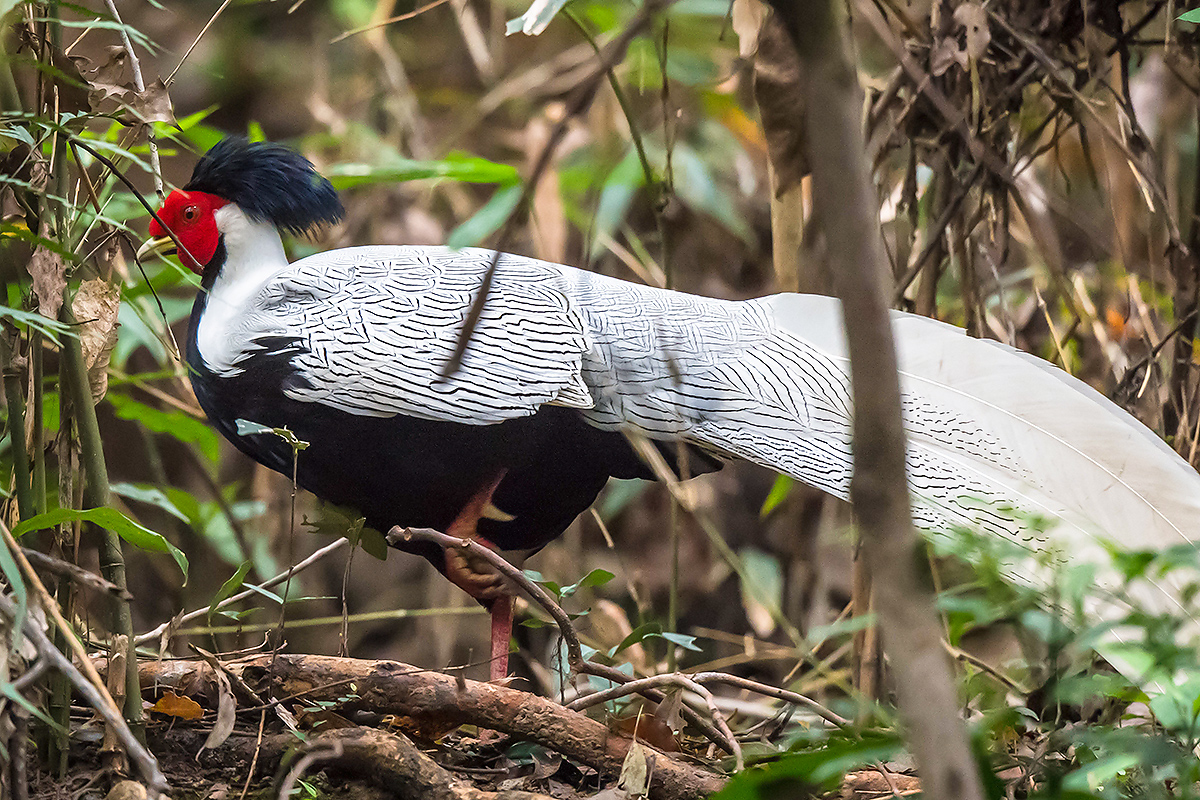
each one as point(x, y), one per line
point(158, 246)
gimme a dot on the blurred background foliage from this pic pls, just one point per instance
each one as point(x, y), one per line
point(1036, 164)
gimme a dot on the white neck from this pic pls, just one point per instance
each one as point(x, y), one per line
point(253, 255)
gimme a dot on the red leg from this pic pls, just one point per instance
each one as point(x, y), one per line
point(480, 580)
point(502, 622)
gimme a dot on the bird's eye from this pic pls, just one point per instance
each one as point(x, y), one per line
point(191, 213)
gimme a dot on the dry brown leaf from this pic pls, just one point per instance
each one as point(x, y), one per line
point(106, 81)
point(49, 275)
point(153, 104)
point(648, 728)
point(635, 771)
point(113, 69)
point(69, 84)
point(322, 720)
point(95, 307)
point(226, 712)
point(173, 705)
point(945, 55)
point(975, 21)
point(108, 90)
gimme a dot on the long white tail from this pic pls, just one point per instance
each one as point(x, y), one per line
point(997, 438)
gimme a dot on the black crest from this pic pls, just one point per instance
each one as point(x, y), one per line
point(269, 182)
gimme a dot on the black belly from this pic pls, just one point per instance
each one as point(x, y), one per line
point(411, 472)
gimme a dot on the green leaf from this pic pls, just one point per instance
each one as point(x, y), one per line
point(10, 691)
point(797, 774)
point(345, 522)
point(652, 630)
point(1095, 775)
point(456, 166)
point(536, 17)
point(246, 427)
point(636, 636)
point(615, 198)
point(681, 640)
point(109, 519)
point(487, 220)
point(761, 588)
point(779, 492)
point(92, 24)
point(229, 587)
point(208, 520)
point(696, 186)
point(12, 574)
point(9, 230)
point(597, 577)
point(374, 543)
point(50, 328)
point(150, 495)
point(842, 627)
point(192, 120)
point(1190, 16)
point(182, 426)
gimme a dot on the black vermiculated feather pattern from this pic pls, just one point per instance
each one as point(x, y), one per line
point(270, 182)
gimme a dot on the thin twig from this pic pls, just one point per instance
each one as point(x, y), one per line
point(636, 686)
point(399, 535)
point(314, 622)
point(576, 105)
point(136, 67)
point(668, 679)
point(52, 611)
point(322, 752)
point(196, 41)
point(74, 572)
point(399, 18)
point(278, 579)
point(567, 630)
point(129, 185)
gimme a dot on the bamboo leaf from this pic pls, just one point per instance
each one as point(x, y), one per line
point(229, 587)
point(457, 167)
point(109, 519)
point(487, 220)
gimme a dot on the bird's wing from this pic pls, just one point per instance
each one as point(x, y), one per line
point(370, 330)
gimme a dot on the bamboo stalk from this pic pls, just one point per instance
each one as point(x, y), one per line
point(96, 495)
point(16, 428)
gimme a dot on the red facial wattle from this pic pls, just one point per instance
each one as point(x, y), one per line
point(190, 216)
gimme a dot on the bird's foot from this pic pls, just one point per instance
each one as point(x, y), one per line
point(474, 574)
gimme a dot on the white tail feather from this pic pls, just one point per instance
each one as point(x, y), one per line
point(989, 421)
